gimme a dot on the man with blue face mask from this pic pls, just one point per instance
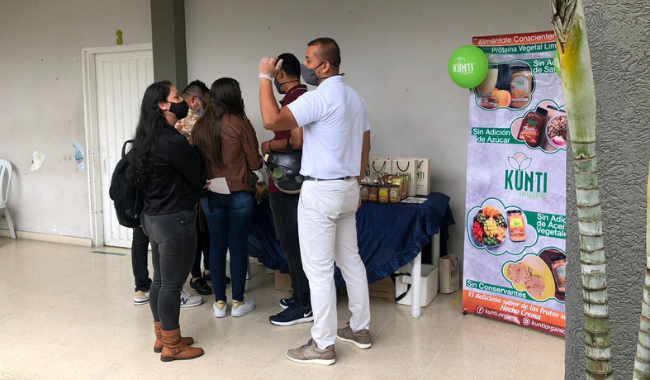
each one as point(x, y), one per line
point(336, 145)
point(297, 309)
point(196, 97)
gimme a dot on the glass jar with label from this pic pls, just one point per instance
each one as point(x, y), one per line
point(394, 193)
point(532, 126)
point(521, 86)
point(373, 192)
point(365, 190)
point(383, 193)
point(559, 272)
point(516, 225)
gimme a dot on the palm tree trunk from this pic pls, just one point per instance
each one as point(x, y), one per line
point(580, 99)
point(642, 359)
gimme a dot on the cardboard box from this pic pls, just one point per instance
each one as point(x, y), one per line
point(382, 290)
point(282, 281)
point(428, 286)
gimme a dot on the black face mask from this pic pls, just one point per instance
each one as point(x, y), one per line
point(179, 109)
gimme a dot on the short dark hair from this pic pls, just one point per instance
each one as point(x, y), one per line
point(328, 50)
point(197, 88)
point(290, 65)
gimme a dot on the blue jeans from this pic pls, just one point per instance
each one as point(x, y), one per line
point(229, 223)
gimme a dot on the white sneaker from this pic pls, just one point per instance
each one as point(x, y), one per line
point(141, 298)
point(241, 308)
point(188, 300)
point(220, 309)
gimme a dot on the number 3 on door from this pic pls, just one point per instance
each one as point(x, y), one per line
point(119, 37)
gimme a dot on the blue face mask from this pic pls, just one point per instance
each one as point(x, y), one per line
point(309, 75)
point(201, 111)
point(278, 85)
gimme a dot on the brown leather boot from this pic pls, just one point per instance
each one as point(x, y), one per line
point(158, 346)
point(175, 349)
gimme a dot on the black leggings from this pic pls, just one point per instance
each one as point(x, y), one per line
point(173, 247)
point(202, 249)
point(285, 215)
point(139, 253)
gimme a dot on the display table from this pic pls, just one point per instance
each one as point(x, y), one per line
point(389, 236)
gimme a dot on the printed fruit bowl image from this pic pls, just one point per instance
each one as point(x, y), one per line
point(490, 227)
point(532, 275)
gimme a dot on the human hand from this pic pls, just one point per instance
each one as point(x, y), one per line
point(207, 184)
point(360, 190)
point(269, 67)
point(266, 147)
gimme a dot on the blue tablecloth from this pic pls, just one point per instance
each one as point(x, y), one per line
point(389, 235)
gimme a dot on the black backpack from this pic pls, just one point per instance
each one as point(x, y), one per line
point(127, 199)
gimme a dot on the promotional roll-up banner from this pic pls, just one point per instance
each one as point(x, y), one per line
point(514, 266)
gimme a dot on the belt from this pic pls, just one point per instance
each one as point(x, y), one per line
point(308, 178)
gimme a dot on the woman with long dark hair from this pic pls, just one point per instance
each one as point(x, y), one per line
point(229, 145)
point(170, 174)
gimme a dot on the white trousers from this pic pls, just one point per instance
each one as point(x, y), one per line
point(328, 234)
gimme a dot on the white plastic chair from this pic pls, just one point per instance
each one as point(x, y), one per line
point(5, 171)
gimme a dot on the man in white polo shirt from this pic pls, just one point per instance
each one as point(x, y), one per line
point(336, 145)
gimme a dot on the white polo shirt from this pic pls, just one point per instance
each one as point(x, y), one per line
point(334, 118)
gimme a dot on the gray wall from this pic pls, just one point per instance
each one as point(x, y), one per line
point(169, 50)
point(619, 33)
point(394, 53)
point(42, 101)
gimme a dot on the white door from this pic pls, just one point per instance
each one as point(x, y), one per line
point(121, 79)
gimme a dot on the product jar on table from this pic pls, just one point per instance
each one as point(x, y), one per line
point(383, 193)
point(394, 193)
point(373, 193)
point(365, 192)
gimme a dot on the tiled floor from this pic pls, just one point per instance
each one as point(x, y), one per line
point(67, 313)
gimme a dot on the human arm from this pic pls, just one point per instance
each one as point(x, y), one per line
point(273, 118)
point(280, 145)
point(365, 153)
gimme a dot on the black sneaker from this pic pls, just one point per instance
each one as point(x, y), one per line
point(292, 315)
point(201, 286)
point(287, 302)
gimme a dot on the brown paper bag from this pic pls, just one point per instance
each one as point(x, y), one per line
point(423, 179)
point(380, 166)
point(406, 167)
point(449, 273)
